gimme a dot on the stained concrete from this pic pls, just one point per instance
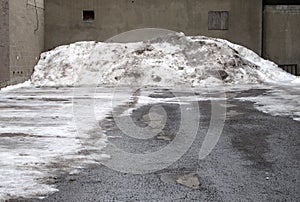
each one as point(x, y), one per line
point(4, 41)
point(281, 34)
point(26, 37)
point(64, 23)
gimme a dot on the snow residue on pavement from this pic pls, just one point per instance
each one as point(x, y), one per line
point(40, 140)
point(166, 61)
point(280, 100)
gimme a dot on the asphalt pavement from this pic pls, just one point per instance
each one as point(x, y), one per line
point(257, 158)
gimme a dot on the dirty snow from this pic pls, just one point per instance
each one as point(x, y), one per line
point(166, 61)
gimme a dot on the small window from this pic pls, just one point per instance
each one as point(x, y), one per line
point(218, 20)
point(88, 15)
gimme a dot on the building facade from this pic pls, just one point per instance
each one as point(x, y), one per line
point(4, 41)
point(281, 36)
point(65, 24)
point(270, 27)
point(21, 39)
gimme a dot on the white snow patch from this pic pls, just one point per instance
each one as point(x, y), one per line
point(279, 101)
point(20, 85)
point(296, 81)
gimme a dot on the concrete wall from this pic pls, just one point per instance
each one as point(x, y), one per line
point(282, 34)
point(23, 37)
point(26, 37)
point(4, 41)
point(64, 23)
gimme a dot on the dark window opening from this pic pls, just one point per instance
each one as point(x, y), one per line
point(88, 15)
point(218, 20)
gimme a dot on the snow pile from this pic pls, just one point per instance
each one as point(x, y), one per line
point(165, 61)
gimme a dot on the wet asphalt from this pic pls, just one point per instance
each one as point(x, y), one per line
point(257, 158)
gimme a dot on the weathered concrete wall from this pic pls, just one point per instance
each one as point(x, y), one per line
point(26, 37)
point(282, 34)
point(64, 23)
point(4, 41)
